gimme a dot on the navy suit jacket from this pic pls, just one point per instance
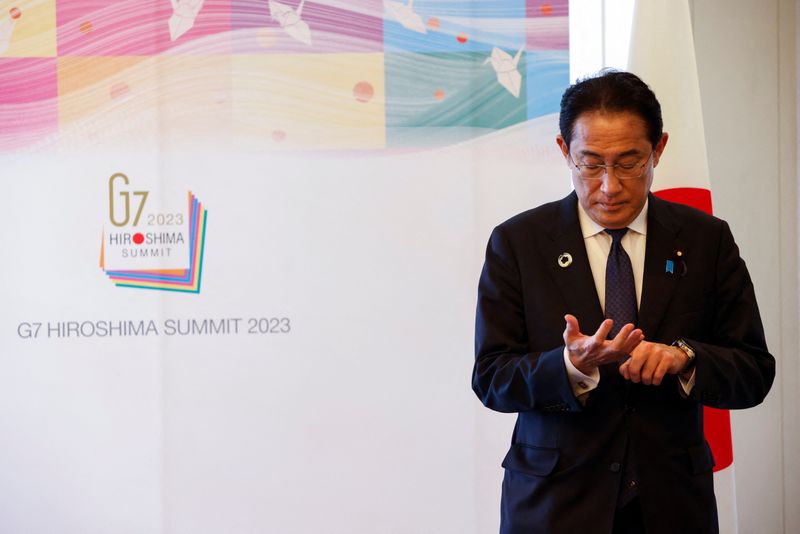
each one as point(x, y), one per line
point(564, 466)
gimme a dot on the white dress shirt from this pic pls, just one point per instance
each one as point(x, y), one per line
point(598, 246)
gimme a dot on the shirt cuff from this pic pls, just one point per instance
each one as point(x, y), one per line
point(687, 383)
point(581, 383)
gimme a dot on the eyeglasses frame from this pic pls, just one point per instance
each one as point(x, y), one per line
point(607, 167)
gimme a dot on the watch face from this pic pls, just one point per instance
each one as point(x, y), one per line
point(686, 349)
point(681, 344)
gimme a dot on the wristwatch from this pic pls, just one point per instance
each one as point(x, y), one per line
point(689, 351)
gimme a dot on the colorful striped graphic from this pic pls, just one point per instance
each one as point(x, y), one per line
point(181, 280)
point(276, 75)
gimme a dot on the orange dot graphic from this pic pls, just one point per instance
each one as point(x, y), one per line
point(138, 238)
point(119, 89)
point(546, 9)
point(85, 27)
point(15, 13)
point(363, 92)
point(278, 136)
point(433, 23)
point(461, 37)
point(438, 94)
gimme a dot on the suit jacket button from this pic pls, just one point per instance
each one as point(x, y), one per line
point(615, 467)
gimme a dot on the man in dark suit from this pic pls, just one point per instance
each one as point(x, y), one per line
point(607, 320)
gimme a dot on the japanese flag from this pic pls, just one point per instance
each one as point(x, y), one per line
point(662, 54)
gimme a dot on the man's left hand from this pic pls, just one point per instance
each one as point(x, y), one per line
point(650, 362)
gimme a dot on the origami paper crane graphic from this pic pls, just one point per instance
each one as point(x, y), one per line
point(183, 16)
point(404, 14)
point(7, 24)
point(290, 20)
point(506, 69)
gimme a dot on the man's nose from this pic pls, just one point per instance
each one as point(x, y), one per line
point(610, 184)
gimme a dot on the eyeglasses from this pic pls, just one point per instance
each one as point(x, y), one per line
point(622, 171)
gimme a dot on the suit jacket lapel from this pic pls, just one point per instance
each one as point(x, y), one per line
point(575, 281)
point(658, 284)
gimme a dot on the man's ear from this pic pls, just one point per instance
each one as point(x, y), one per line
point(562, 145)
point(660, 148)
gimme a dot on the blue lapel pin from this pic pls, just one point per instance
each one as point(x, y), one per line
point(670, 267)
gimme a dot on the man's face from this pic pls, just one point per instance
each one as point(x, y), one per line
point(609, 139)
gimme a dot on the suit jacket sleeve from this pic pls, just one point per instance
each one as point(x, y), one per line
point(734, 369)
point(507, 375)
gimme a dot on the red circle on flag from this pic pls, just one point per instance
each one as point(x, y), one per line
point(138, 238)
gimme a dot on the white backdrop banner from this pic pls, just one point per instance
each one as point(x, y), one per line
point(241, 246)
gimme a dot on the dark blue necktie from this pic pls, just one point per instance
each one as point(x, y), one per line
point(620, 289)
point(621, 306)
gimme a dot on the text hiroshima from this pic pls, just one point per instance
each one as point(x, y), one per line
point(142, 328)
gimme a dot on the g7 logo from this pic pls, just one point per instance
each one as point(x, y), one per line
point(126, 201)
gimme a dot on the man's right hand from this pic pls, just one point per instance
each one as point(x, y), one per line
point(588, 352)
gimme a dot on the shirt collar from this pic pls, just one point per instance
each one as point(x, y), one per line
point(590, 228)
